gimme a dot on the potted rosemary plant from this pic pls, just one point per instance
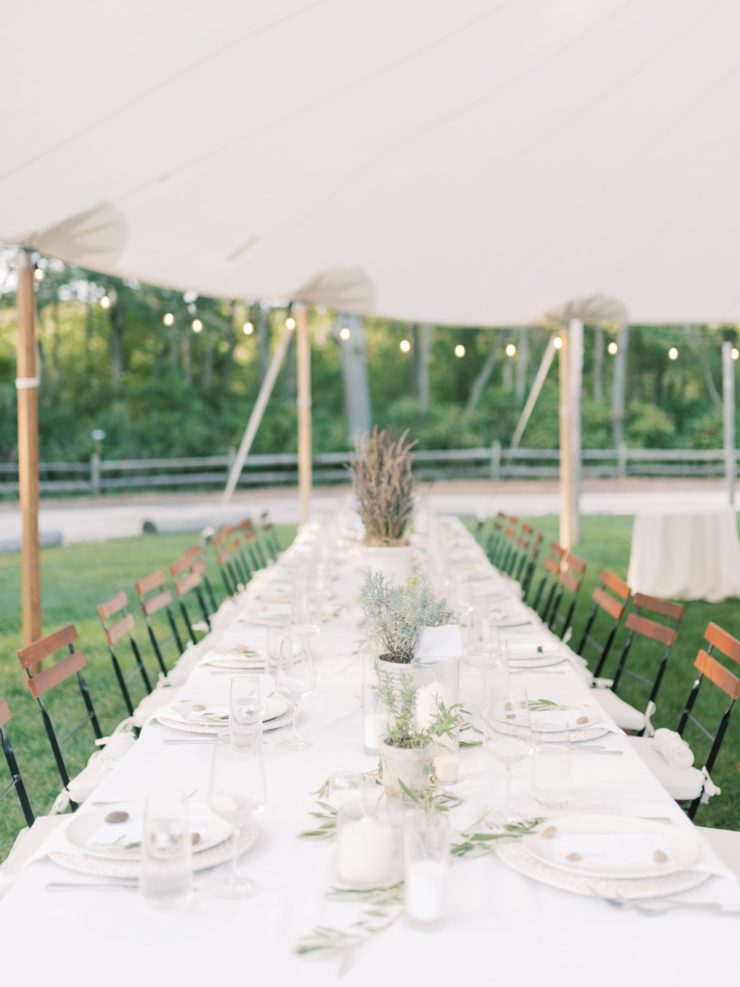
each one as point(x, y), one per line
point(407, 752)
point(383, 483)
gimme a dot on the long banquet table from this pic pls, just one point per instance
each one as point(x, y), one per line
point(501, 927)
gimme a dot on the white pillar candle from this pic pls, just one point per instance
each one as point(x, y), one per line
point(375, 729)
point(365, 852)
point(425, 892)
point(427, 698)
point(446, 767)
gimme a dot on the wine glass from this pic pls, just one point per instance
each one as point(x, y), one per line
point(295, 679)
point(275, 633)
point(237, 789)
point(508, 736)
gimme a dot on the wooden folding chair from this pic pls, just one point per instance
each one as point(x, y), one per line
point(269, 536)
point(16, 779)
point(252, 547)
point(610, 600)
point(187, 579)
point(566, 594)
point(653, 641)
point(197, 553)
point(155, 598)
point(123, 627)
point(530, 565)
point(544, 594)
point(41, 682)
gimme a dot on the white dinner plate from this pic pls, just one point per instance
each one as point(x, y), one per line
point(87, 824)
point(272, 707)
point(235, 661)
point(613, 847)
point(531, 665)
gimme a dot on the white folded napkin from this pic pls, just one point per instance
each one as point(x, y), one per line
point(673, 748)
point(437, 643)
point(628, 849)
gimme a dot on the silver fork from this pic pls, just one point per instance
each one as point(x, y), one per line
point(661, 907)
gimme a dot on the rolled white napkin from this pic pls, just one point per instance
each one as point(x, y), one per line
point(673, 748)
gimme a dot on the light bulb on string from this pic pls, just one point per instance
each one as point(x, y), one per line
point(290, 322)
point(38, 274)
point(612, 349)
point(459, 351)
point(105, 301)
point(673, 353)
point(197, 326)
point(558, 342)
point(344, 333)
point(247, 328)
point(510, 349)
point(169, 319)
point(735, 353)
point(404, 346)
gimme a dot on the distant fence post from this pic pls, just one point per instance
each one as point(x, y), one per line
point(621, 460)
point(95, 484)
point(496, 460)
point(230, 457)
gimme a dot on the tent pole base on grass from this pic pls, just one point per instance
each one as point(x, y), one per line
point(27, 385)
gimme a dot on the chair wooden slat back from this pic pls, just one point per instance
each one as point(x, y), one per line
point(641, 631)
point(41, 682)
point(723, 678)
point(123, 627)
point(651, 629)
point(573, 569)
point(155, 597)
point(4, 714)
point(187, 574)
point(610, 600)
point(656, 604)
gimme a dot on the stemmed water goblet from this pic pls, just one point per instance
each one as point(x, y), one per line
point(508, 737)
point(295, 679)
point(237, 789)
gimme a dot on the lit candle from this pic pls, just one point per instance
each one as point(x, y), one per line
point(425, 892)
point(446, 767)
point(364, 851)
point(427, 699)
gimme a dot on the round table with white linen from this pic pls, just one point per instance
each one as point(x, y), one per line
point(686, 556)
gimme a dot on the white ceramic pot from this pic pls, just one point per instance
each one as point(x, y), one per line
point(411, 765)
point(396, 563)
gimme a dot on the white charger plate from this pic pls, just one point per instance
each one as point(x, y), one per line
point(87, 863)
point(85, 824)
point(681, 847)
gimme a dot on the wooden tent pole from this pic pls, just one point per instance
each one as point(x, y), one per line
point(566, 480)
point(27, 384)
point(537, 386)
point(305, 457)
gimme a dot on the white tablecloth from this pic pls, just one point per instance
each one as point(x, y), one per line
point(502, 927)
point(686, 556)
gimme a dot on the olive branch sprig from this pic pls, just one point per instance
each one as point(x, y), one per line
point(481, 838)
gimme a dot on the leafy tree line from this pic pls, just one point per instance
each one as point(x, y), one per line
point(124, 357)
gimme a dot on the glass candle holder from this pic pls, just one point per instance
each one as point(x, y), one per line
point(365, 847)
point(551, 767)
point(245, 711)
point(374, 719)
point(426, 861)
point(447, 758)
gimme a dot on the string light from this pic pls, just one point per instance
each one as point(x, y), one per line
point(673, 353)
point(197, 325)
point(735, 353)
point(169, 319)
point(557, 343)
point(39, 274)
point(344, 333)
point(612, 349)
point(460, 351)
point(290, 322)
point(105, 301)
point(404, 346)
point(247, 328)
point(510, 349)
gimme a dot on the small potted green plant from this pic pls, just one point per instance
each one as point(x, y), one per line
point(407, 752)
point(383, 483)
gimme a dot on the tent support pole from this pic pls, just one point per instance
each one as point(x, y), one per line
point(305, 457)
point(537, 385)
point(27, 385)
point(258, 411)
point(571, 383)
point(728, 402)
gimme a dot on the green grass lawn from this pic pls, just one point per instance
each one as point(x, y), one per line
point(605, 544)
point(78, 577)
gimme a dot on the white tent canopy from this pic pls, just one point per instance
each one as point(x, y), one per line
point(477, 162)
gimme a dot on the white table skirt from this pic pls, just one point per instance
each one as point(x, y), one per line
point(686, 556)
point(502, 927)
